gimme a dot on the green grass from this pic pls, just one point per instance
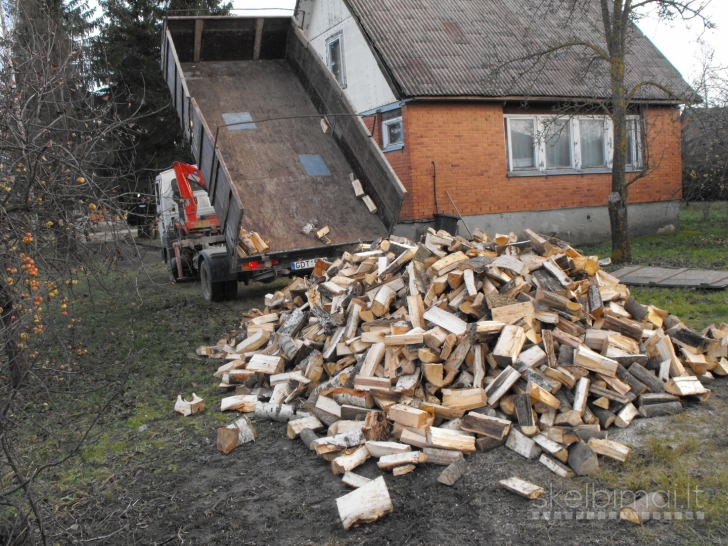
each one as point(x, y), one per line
point(701, 243)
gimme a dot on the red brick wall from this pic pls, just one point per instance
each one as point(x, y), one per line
point(467, 143)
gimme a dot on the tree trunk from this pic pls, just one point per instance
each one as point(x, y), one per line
point(621, 245)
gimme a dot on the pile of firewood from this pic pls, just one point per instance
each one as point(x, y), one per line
point(251, 243)
point(421, 353)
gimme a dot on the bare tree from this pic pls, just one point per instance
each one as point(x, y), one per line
point(57, 138)
point(600, 35)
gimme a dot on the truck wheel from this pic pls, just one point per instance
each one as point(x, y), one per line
point(172, 270)
point(211, 291)
point(231, 290)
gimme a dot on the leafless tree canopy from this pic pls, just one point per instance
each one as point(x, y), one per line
point(56, 139)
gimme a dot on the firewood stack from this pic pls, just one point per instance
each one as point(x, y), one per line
point(422, 353)
point(251, 243)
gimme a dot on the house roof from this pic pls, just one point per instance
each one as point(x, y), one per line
point(456, 48)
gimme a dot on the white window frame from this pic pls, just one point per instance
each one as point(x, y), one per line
point(636, 144)
point(510, 144)
point(385, 133)
point(339, 36)
point(540, 124)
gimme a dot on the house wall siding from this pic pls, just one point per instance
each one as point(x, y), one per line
point(366, 86)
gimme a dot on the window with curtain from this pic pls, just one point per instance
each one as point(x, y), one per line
point(541, 143)
point(557, 136)
point(592, 143)
point(522, 144)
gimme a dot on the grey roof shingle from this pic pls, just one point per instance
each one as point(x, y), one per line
point(472, 47)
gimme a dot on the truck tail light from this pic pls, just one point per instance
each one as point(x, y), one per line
point(259, 264)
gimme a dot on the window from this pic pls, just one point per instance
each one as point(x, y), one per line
point(634, 144)
point(523, 140)
point(335, 58)
point(573, 144)
point(592, 134)
point(557, 135)
point(392, 132)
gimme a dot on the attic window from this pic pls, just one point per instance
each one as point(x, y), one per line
point(335, 58)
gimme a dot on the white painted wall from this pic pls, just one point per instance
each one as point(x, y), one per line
point(366, 86)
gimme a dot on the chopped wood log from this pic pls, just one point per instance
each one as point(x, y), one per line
point(486, 425)
point(596, 307)
point(647, 377)
point(345, 463)
point(453, 472)
point(365, 504)
point(376, 426)
point(485, 444)
point(521, 487)
point(523, 445)
point(524, 413)
point(656, 398)
point(354, 480)
point(464, 399)
point(238, 433)
point(297, 426)
point(443, 457)
point(445, 320)
point(685, 386)
point(450, 439)
point(509, 345)
point(626, 415)
point(308, 437)
point(540, 395)
point(642, 509)
point(582, 459)
point(387, 462)
point(609, 448)
point(196, 405)
point(242, 403)
point(370, 204)
point(552, 448)
point(404, 469)
point(557, 467)
point(380, 448)
point(351, 397)
point(274, 412)
point(265, 364)
point(501, 385)
point(253, 342)
point(338, 442)
point(595, 362)
point(606, 417)
point(407, 416)
point(581, 391)
point(658, 410)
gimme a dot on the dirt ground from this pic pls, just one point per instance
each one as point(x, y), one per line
point(276, 491)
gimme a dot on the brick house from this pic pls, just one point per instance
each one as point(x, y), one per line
point(511, 148)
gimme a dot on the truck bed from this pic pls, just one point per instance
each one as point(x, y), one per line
point(279, 175)
point(264, 163)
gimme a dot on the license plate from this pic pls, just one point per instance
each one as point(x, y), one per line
point(303, 264)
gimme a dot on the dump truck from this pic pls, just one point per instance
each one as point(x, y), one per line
point(280, 153)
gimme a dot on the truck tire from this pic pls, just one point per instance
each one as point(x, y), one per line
point(231, 290)
point(212, 291)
